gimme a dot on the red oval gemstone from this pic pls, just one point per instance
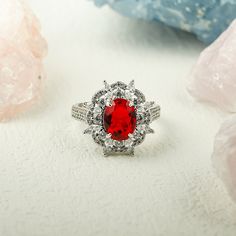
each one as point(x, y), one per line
point(119, 120)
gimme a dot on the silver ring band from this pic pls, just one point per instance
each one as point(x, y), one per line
point(80, 110)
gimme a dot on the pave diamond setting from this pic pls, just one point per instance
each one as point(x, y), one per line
point(119, 118)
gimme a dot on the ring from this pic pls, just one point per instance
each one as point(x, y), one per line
point(118, 117)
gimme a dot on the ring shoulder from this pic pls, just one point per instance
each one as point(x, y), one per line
point(79, 111)
point(155, 111)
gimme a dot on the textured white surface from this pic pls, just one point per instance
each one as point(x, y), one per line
point(55, 181)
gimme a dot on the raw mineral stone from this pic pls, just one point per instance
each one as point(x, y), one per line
point(205, 18)
point(224, 155)
point(213, 78)
point(22, 49)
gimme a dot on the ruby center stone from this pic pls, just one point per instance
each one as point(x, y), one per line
point(119, 120)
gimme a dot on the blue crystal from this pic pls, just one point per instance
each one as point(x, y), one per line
point(205, 18)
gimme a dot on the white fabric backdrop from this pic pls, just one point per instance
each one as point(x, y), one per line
point(55, 181)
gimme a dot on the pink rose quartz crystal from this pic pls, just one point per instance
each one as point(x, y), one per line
point(213, 78)
point(22, 49)
point(224, 155)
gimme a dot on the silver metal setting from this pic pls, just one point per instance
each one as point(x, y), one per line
point(92, 114)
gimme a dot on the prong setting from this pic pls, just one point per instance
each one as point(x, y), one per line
point(107, 86)
point(89, 130)
point(149, 130)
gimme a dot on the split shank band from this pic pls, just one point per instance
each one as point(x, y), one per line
point(80, 110)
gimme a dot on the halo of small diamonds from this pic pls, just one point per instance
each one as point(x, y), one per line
point(104, 98)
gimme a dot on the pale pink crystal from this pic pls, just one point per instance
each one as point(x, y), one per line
point(22, 49)
point(213, 78)
point(224, 155)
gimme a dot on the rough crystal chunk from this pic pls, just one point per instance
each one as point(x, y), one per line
point(22, 49)
point(224, 156)
point(207, 19)
point(213, 78)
